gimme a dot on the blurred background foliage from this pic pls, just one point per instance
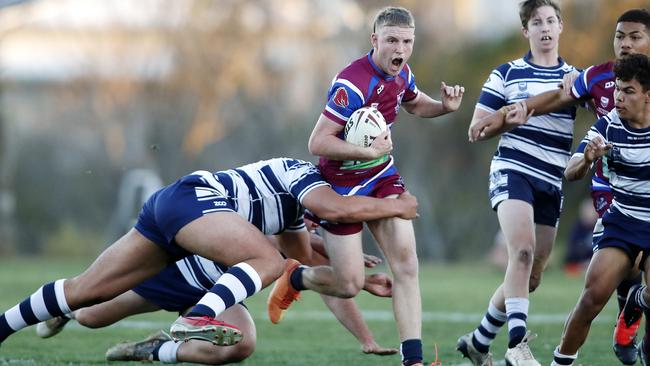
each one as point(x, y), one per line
point(93, 89)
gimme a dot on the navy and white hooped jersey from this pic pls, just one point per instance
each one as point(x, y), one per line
point(629, 162)
point(542, 146)
point(268, 193)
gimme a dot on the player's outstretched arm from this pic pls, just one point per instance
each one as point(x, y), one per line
point(550, 101)
point(427, 107)
point(580, 163)
point(348, 314)
point(325, 203)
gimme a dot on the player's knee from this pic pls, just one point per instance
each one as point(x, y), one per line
point(405, 267)
point(593, 299)
point(86, 318)
point(524, 256)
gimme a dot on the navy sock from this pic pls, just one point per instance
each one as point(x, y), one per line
point(623, 289)
point(411, 351)
point(201, 310)
point(296, 279)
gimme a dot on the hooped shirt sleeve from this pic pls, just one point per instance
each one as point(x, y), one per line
point(301, 177)
point(598, 129)
point(493, 94)
point(581, 88)
point(343, 98)
point(411, 91)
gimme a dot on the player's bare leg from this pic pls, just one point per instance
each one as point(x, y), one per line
point(396, 239)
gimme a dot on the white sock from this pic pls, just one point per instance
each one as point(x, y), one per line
point(167, 352)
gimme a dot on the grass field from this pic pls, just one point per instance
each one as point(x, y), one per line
point(454, 299)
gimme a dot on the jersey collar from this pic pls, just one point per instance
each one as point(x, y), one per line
point(378, 71)
point(529, 54)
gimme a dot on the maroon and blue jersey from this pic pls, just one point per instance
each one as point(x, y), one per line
point(596, 85)
point(361, 84)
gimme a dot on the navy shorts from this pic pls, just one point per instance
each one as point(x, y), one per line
point(169, 290)
point(624, 232)
point(545, 198)
point(171, 208)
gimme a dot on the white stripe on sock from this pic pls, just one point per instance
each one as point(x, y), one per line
point(252, 273)
point(37, 302)
point(214, 302)
point(60, 296)
point(15, 319)
point(234, 285)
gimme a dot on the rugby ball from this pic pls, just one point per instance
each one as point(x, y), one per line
point(363, 126)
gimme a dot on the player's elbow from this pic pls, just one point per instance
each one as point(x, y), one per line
point(315, 145)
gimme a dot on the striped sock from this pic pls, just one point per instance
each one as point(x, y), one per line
point(490, 325)
point(238, 283)
point(411, 350)
point(562, 360)
point(46, 303)
point(517, 312)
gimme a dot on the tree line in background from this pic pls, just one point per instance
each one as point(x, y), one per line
point(234, 97)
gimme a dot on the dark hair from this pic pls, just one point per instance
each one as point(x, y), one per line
point(528, 7)
point(393, 16)
point(636, 16)
point(634, 67)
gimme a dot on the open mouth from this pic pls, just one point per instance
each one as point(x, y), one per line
point(397, 61)
point(546, 38)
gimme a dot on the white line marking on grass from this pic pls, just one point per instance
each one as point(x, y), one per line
point(377, 315)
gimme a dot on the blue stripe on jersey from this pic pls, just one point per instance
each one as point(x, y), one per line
point(27, 313)
point(490, 100)
point(556, 144)
point(607, 75)
point(638, 172)
point(257, 212)
point(51, 304)
point(245, 280)
point(199, 273)
point(230, 186)
point(270, 181)
point(371, 87)
point(632, 199)
point(525, 160)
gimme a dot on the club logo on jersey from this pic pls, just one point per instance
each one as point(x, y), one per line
point(522, 85)
point(604, 101)
point(399, 100)
point(341, 97)
point(609, 84)
point(380, 89)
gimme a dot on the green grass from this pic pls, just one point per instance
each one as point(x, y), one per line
point(454, 297)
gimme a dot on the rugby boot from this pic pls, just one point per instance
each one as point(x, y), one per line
point(206, 329)
point(282, 294)
point(137, 351)
point(51, 327)
point(466, 347)
point(521, 355)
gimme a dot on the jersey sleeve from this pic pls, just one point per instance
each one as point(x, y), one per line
point(598, 129)
point(580, 87)
point(343, 98)
point(493, 93)
point(301, 177)
point(299, 225)
point(411, 89)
